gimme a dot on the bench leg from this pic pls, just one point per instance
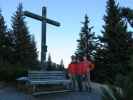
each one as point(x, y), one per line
point(34, 88)
point(68, 86)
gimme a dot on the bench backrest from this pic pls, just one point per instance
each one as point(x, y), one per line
point(46, 75)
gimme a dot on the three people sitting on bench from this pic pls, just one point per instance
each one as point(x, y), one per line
point(79, 72)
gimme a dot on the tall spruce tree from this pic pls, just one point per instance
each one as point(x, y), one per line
point(25, 53)
point(2, 36)
point(33, 54)
point(112, 59)
point(5, 41)
point(85, 42)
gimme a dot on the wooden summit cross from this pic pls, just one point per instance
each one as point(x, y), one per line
point(44, 20)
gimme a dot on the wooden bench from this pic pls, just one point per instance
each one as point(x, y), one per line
point(36, 78)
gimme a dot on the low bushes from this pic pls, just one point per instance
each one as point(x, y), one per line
point(9, 72)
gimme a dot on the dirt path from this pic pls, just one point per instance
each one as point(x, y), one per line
point(10, 93)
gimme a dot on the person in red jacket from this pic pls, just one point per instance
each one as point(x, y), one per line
point(86, 67)
point(82, 70)
point(72, 70)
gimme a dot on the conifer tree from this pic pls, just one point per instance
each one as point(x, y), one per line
point(112, 59)
point(25, 50)
point(85, 42)
point(49, 63)
point(5, 41)
point(61, 65)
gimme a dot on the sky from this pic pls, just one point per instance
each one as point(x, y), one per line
point(61, 41)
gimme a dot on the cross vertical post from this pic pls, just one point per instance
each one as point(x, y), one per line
point(43, 41)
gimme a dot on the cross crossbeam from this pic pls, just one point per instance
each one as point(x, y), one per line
point(41, 18)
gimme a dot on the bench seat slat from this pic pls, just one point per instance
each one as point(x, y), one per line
point(49, 82)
